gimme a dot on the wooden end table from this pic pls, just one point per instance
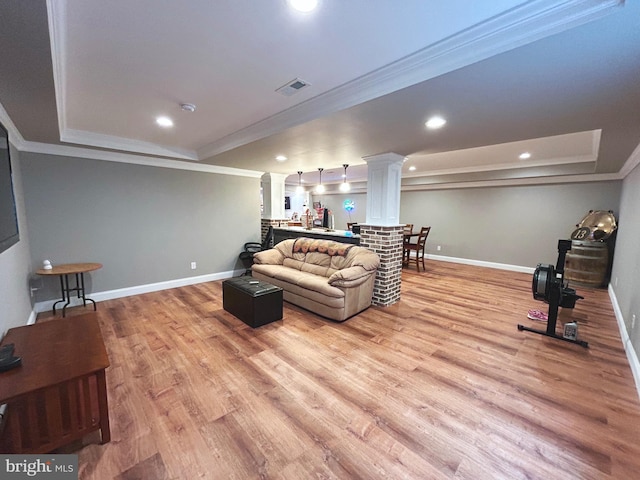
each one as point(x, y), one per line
point(63, 271)
point(59, 393)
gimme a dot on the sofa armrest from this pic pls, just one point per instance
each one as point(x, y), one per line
point(350, 277)
point(268, 257)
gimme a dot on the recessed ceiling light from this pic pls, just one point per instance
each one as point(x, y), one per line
point(304, 6)
point(435, 122)
point(188, 107)
point(281, 158)
point(524, 156)
point(412, 168)
point(164, 121)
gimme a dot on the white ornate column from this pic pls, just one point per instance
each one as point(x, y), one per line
point(272, 201)
point(383, 188)
point(382, 232)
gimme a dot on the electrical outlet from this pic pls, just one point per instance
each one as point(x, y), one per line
point(439, 247)
point(193, 265)
point(633, 321)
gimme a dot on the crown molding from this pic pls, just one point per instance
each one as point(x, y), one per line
point(521, 25)
point(17, 140)
point(631, 163)
point(56, 16)
point(15, 137)
point(514, 28)
point(515, 182)
point(99, 140)
point(512, 182)
point(118, 157)
point(506, 166)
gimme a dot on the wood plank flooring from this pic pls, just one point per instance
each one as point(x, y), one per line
point(440, 385)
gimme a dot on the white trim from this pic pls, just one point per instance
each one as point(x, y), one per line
point(481, 263)
point(68, 151)
point(100, 140)
point(14, 134)
point(140, 289)
point(591, 157)
point(521, 25)
point(32, 317)
point(598, 177)
point(626, 341)
point(56, 15)
point(631, 163)
point(506, 182)
point(503, 166)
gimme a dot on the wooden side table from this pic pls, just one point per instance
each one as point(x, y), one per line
point(59, 393)
point(63, 271)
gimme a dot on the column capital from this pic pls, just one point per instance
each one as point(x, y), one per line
point(270, 177)
point(389, 157)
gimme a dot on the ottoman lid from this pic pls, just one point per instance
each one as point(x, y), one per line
point(252, 286)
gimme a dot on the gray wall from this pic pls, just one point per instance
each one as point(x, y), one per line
point(15, 264)
point(515, 225)
point(626, 262)
point(144, 224)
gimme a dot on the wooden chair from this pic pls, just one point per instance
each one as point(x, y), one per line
point(408, 228)
point(350, 224)
point(417, 247)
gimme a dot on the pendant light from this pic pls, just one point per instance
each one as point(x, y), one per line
point(299, 188)
point(320, 187)
point(344, 186)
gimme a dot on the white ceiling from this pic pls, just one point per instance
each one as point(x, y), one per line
point(509, 76)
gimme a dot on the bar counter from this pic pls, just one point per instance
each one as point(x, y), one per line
point(343, 236)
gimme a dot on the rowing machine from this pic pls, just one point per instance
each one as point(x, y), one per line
point(548, 286)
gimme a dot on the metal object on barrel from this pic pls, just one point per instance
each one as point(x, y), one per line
point(588, 261)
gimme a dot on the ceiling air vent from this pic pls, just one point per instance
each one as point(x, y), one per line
point(294, 86)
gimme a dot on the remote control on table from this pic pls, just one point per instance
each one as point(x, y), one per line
point(11, 363)
point(6, 352)
point(7, 360)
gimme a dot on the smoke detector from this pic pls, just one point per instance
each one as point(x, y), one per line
point(292, 87)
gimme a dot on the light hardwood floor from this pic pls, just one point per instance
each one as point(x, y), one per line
point(440, 385)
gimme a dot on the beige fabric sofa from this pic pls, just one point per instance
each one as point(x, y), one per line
point(332, 279)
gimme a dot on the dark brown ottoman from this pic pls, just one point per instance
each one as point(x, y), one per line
point(253, 301)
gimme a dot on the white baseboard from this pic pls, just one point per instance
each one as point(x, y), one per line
point(626, 341)
point(480, 263)
point(47, 305)
point(32, 317)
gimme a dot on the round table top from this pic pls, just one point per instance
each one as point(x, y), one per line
point(69, 268)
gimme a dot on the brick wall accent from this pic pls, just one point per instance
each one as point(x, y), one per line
point(265, 223)
point(387, 243)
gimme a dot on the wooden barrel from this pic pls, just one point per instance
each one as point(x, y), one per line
point(586, 263)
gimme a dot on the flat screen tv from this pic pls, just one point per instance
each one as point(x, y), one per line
point(8, 219)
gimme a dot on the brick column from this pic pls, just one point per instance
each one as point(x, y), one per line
point(382, 232)
point(386, 241)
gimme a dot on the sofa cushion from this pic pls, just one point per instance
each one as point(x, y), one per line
point(302, 279)
point(272, 256)
point(349, 277)
point(294, 291)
